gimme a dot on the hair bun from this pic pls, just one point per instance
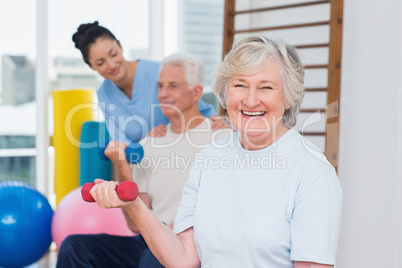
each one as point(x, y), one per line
point(82, 29)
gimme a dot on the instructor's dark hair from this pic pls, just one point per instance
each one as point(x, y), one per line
point(87, 34)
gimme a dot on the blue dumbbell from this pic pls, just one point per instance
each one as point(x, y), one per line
point(134, 152)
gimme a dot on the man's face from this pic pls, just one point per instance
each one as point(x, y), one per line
point(174, 94)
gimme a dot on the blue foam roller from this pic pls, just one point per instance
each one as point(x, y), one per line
point(101, 150)
point(93, 135)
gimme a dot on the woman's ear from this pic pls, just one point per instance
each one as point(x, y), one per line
point(287, 104)
point(119, 44)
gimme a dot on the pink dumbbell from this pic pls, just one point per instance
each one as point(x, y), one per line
point(126, 190)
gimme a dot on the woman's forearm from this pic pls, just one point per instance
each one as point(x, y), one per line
point(170, 249)
point(130, 223)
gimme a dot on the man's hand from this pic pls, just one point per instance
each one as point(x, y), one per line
point(116, 152)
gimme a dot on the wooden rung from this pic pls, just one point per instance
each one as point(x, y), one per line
point(280, 7)
point(311, 46)
point(333, 120)
point(312, 110)
point(323, 89)
point(292, 26)
point(315, 66)
point(313, 134)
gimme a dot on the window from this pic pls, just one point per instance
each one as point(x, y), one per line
point(17, 91)
point(127, 19)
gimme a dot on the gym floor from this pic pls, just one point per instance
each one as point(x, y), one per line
point(47, 261)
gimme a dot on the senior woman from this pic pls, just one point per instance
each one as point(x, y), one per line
point(258, 198)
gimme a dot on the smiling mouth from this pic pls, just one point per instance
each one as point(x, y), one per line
point(167, 103)
point(115, 71)
point(246, 113)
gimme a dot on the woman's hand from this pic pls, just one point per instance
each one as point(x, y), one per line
point(105, 195)
point(171, 250)
point(158, 131)
point(218, 122)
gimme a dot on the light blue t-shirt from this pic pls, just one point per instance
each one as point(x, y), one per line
point(264, 208)
point(129, 120)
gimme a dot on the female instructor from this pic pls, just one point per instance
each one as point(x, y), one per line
point(128, 95)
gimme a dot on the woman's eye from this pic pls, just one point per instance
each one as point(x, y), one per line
point(238, 85)
point(114, 54)
point(267, 87)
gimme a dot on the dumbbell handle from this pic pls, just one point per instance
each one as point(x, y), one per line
point(126, 190)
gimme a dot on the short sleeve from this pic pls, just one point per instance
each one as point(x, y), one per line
point(315, 220)
point(206, 109)
point(104, 100)
point(185, 215)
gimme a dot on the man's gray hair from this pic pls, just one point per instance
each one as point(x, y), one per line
point(193, 67)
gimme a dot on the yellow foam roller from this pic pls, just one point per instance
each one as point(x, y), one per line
point(71, 109)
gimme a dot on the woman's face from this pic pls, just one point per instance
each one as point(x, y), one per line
point(106, 57)
point(255, 105)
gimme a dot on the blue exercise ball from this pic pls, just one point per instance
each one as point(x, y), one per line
point(25, 224)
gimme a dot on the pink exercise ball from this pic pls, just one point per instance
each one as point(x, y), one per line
point(75, 216)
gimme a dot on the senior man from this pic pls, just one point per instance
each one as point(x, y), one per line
point(162, 173)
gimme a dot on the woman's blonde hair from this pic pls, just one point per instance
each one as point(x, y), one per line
point(249, 55)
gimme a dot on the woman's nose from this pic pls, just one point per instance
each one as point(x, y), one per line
point(252, 98)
